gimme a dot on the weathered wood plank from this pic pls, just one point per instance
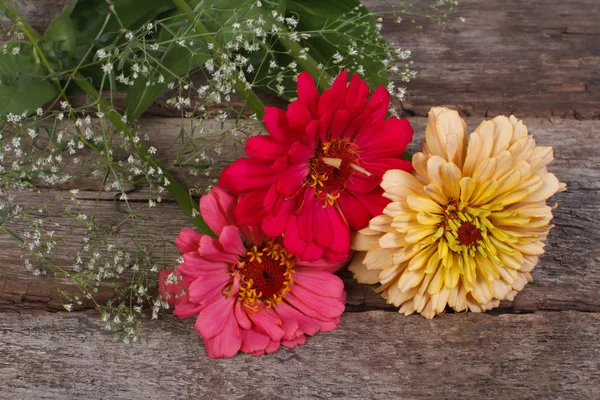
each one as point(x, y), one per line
point(532, 58)
point(567, 277)
point(535, 58)
point(544, 355)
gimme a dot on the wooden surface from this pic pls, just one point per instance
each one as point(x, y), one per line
point(375, 354)
point(538, 59)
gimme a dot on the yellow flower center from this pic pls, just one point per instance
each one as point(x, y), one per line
point(265, 275)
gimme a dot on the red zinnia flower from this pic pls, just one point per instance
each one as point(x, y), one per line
point(317, 174)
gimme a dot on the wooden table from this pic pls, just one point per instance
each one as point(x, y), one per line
point(537, 59)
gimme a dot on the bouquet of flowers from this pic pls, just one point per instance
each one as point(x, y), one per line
point(325, 181)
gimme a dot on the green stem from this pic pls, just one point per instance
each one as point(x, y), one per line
point(175, 189)
point(307, 63)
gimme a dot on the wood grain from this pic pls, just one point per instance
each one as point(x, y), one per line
point(545, 355)
point(567, 277)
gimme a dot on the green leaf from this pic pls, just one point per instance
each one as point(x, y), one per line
point(344, 25)
point(23, 83)
point(59, 38)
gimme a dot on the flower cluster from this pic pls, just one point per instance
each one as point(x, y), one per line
point(283, 218)
point(462, 226)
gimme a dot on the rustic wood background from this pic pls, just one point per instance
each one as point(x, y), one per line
point(537, 59)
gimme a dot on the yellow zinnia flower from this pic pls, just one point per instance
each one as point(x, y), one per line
point(467, 227)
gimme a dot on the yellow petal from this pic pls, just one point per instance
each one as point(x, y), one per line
point(360, 271)
point(425, 204)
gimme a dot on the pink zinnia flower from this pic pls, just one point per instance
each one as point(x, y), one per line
point(317, 174)
point(249, 293)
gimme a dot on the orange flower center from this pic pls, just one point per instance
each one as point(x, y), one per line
point(265, 274)
point(332, 166)
point(468, 234)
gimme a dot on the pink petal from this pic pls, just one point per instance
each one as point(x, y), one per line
point(355, 213)
point(212, 250)
point(187, 240)
point(319, 282)
point(186, 309)
point(328, 307)
point(273, 347)
point(290, 344)
point(240, 315)
point(213, 318)
point(267, 324)
point(303, 308)
point(217, 208)
point(227, 343)
point(246, 174)
point(359, 183)
point(208, 287)
point(194, 266)
point(255, 342)
point(231, 241)
point(324, 122)
point(305, 324)
point(290, 326)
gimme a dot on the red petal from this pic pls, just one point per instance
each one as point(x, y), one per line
point(339, 123)
point(355, 213)
point(387, 138)
point(266, 148)
point(246, 174)
point(323, 232)
point(276, 123)
point(250, 209)
point(291, 240)
point(307, 92)
point(379, 103)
